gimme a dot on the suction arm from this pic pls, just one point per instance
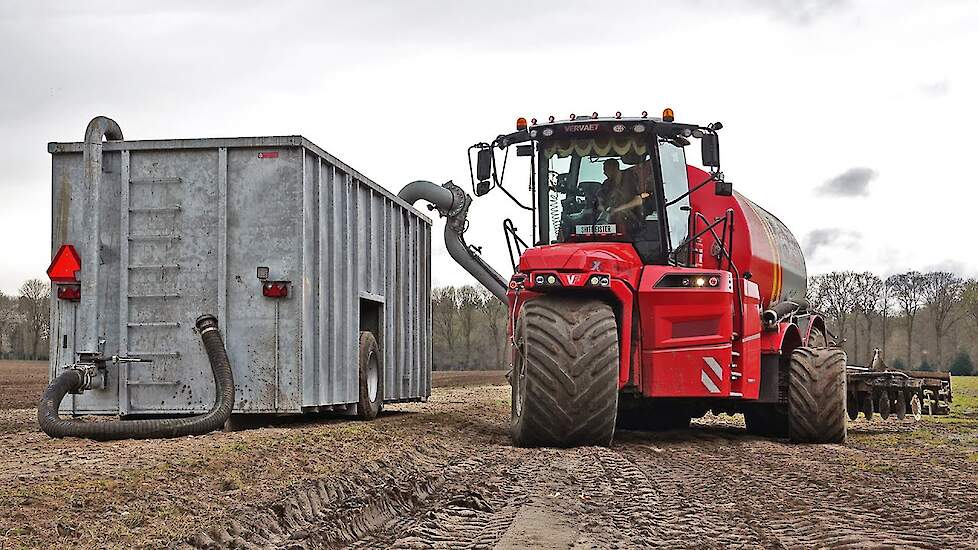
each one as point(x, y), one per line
point(453, 203)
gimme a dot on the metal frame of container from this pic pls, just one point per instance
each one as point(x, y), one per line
point(184, 225)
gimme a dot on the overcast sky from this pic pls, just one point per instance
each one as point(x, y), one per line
point(851, 121)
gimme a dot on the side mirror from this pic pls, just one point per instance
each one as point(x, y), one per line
point(723, 189)
point(481, 188)
point(710, 151)
point(483, 165)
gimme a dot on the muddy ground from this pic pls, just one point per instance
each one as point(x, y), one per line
point(21, 383)
point(444, 475)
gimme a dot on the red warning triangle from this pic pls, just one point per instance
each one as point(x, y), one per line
point(65, 265)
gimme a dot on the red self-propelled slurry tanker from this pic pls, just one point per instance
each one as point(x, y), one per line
point(652, 293)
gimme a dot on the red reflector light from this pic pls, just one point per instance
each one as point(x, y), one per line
point(65, 265)
point(72, 293)
point(275, 289)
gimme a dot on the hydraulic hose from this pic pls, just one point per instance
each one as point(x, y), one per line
point(72, 380)
point(452, 202)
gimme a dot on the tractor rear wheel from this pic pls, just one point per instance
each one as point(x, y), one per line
point(565, 373)
point(817, 395)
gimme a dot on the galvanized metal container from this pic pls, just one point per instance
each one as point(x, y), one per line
point(183, 226)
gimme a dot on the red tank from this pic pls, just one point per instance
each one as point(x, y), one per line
point(762, 245)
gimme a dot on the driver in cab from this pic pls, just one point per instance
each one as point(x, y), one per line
point(622, 194)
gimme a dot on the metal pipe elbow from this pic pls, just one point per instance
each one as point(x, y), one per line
point(102, 126)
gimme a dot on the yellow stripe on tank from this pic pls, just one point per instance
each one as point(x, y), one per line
point(775, 260)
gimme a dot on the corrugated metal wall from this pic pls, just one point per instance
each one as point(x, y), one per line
point(186, 223)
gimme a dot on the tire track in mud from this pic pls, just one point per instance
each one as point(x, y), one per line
point(774, 494)
point(712, 486)
point(472, 509)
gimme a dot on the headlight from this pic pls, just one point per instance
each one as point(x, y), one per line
point(681, 280)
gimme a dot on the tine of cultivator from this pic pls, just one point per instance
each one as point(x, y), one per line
point(915, 407)
point(852, 406)
point(901, 406)
point(884, 404)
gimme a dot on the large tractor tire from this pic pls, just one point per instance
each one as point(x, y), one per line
point(817, 395)
point(565, 373)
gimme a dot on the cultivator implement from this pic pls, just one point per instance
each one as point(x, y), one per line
point(879, 390)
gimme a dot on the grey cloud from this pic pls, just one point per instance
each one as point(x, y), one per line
point(829, 237)
point(854, 182)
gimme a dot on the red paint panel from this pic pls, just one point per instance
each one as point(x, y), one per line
point(687, 372)
point(668, 313)
point(749, 345)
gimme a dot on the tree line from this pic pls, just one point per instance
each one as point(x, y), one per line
point(920, 321)
point(468, 329)
point(25, 322)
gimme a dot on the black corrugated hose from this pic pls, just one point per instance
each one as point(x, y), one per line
point(55, 426)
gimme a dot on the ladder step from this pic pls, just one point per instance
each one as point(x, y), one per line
point(735, 353)
point(736, 394)
point(735, 375)
point(157, 266)
point(176, 208)
point(139, 383)
point(155, 180)
point(155, 324)
point(155, 237)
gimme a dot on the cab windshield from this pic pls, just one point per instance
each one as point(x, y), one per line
point(604, 189)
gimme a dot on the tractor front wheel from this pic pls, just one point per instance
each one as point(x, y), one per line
point(565, 373)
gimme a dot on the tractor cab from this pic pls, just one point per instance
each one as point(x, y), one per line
point(604, 180)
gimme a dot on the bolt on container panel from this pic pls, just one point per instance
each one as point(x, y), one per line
point(184, 226)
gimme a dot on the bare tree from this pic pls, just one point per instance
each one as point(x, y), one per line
point(34, 307)
point(869, 298)
point(10, 318)
point(445, 305)
point(908, 293)
point(969, 299)
point(835, 295)
point(942, 292)
point(468, 304)
point(886, 306)
point(495, 312)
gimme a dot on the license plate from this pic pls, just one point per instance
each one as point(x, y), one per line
point(598, 229)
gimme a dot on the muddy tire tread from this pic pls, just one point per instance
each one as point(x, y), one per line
point(571, 381)
point(817, 395)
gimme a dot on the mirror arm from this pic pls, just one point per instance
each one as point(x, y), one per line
point(498, 180)
point(514, 199)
